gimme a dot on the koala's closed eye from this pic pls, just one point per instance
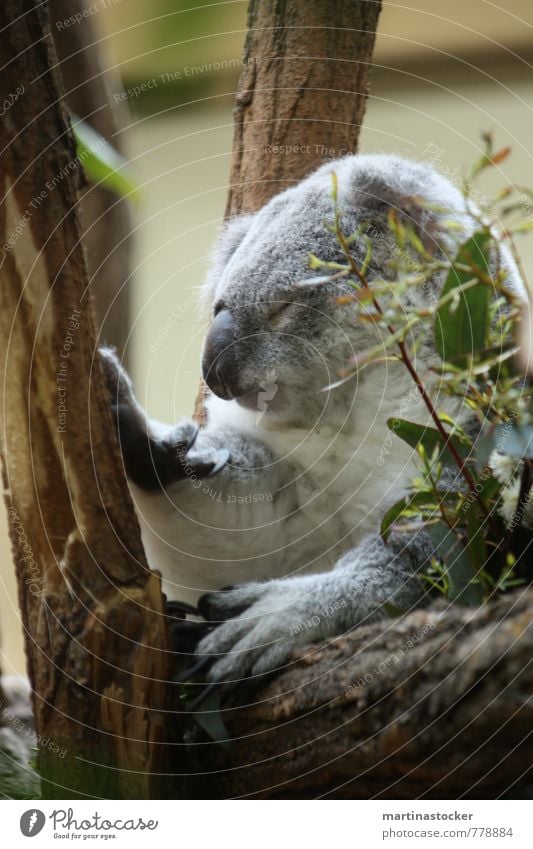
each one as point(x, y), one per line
point(276, 310)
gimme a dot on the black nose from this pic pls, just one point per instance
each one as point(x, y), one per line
point(219, 365)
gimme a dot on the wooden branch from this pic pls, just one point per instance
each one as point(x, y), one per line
point(434, 705)
point(89, 83)
point(95, 639)
point(302, 94)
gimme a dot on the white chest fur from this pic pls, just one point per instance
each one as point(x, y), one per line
point(327, 489)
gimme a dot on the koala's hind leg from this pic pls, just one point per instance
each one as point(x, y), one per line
point(154, 455)
point(258, 625)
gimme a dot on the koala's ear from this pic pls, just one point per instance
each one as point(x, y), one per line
point(231, 236)
point(419, 195)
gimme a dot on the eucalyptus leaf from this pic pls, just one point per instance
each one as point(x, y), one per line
point(102, 163)
point(403, 506)
point(429, 438)
point(461, 325)
point(210, 719)
point(461, 573)
point(476, 547)
point(490, 488)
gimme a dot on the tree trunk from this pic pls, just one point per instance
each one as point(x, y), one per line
point(88, 83)
point(302, 94)
point(95, 637)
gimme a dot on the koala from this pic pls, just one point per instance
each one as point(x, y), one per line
point(265, 521)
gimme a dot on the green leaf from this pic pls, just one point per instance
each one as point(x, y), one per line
point(210, 719)
point(522, 227)
point(476, 547)
point(102, 163)
point(490, 159)
point(429, 438)
point(461, 573)
point(461, 326)
point(425, 498)
point(490, 488)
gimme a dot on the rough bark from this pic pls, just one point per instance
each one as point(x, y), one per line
point(302, 94)
point(88, 84)
point(92, 613)
point(435, 705)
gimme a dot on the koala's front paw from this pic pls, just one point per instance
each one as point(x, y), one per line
point(197, 457)
point(155, 461)
point(155, 457)
point(261, 625)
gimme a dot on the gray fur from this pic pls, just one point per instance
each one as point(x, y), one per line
point(292, 516)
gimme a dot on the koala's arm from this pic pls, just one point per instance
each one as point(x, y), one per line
point(263, 623)
point(210, 501)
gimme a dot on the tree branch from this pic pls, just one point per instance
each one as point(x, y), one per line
point(434, 705)
point(302, 94)
point(89, 83)
point(92, 612)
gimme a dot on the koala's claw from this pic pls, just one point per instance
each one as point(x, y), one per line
point(223, 458)
point(228, 602)
point(206, 463)
point(253, 634)
point(186, 635)
point(197, 668)
point(175, 608)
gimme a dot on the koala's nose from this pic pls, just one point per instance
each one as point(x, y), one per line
point(219, 365)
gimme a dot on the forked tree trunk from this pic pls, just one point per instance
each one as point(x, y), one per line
point(92, 613)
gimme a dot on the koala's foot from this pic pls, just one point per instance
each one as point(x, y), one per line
point(154, 460)
point(258, 626)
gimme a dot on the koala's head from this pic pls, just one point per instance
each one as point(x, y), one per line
point(277, 332)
